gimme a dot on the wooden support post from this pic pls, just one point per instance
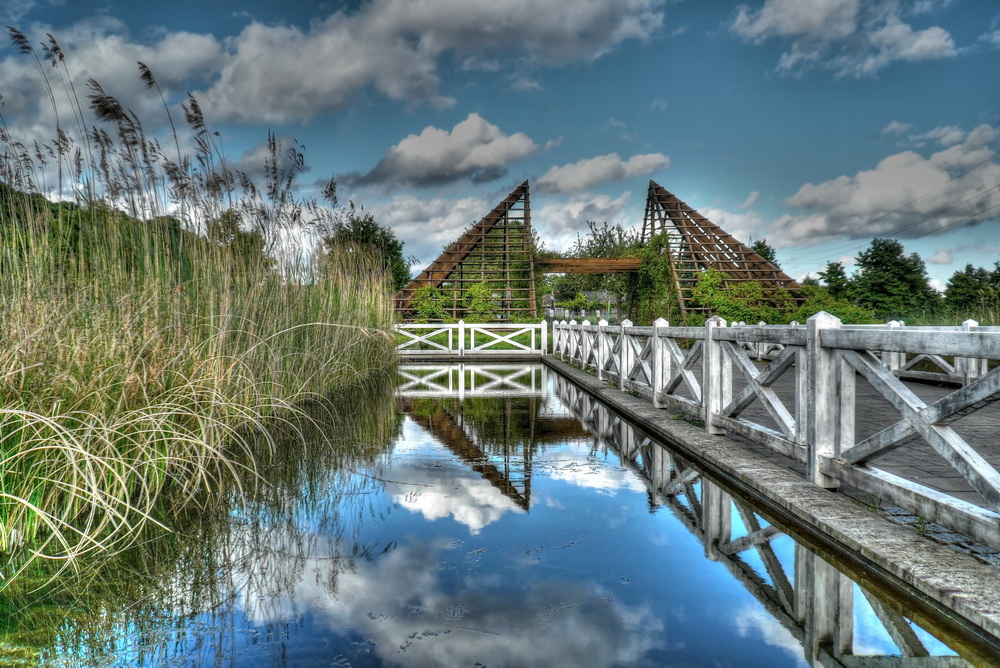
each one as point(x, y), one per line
point(660, 363)
point(893, 361)
point(587, 344)
point(461, 338)
point(574, 340)
point(969, 369)
point(717, 376)
point(822, 410)
point(625, 358)
point(545, 337)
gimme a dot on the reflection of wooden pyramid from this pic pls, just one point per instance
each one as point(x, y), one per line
point(498, 250)
point(696, 243)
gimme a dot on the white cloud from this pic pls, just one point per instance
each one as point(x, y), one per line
point(559, 224)
point(750, 201)
point(848, 36)
point(942, 256)
point(474, 149)
point(896, 128)
point(864, 205)
point(524, 85)
point(100, 49)
point(743, 225)
point(948, 135)
point(659, 104)
point(427, 225)
point(283, 73)
point(591, 172)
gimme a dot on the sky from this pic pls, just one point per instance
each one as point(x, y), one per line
point(814, 124)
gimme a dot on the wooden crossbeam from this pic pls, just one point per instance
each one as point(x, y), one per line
point(586, 265)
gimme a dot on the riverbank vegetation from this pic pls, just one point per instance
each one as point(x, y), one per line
point(160, 312)
point(889, 284)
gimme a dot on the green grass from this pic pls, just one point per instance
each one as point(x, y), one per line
point(157, 320)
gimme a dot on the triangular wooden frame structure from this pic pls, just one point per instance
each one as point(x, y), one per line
point(499, 250)
point(695, 243)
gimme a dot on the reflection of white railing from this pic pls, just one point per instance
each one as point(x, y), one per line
point(817, 426)
point(472, 380)
point(809, 597)
point(462, 339)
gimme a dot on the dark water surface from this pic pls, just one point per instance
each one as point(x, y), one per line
point(491, 530)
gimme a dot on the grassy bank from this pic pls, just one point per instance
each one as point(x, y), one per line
point(158, 310)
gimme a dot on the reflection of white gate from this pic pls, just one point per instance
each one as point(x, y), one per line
point(472, 380)
point(461, 339)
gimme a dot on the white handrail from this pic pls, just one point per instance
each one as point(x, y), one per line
point(826, 357)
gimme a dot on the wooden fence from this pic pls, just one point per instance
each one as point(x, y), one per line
point(461, 339)
point(692, 369)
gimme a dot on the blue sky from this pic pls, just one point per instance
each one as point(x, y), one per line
point(812, 123)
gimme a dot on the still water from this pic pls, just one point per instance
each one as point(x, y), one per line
point(492, 516)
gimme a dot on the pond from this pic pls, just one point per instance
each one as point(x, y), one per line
point(475, 520)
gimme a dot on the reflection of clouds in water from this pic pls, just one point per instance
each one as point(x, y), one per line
point(751, 620)
point(398, 604)
point(577, 469)
point(440, 487)
point(457, 493)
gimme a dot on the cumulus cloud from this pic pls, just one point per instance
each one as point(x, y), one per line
point(474, 149)
point(896, 128)
point(946, 135)
point(101, 48)
point(591, 172)
point(851, 37)
point(284, 73)
point(750, 201)
point(942, 256)
point(905, 195)
point(560, 223)
point(426, 226)
point(742, 225)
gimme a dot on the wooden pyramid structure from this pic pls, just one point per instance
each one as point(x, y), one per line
point(498, 250)
point(696, 243)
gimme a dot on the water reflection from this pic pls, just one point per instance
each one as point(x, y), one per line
point(422, 529)
point(811, 607)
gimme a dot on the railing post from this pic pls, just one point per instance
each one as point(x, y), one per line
point(717, 376)
point(625, 358)
point(893, 361)
point(969, 369)
point(660, 363)
point(602, 347)
point(587, 341)
point(760, 346)
point(575, 341)
point(545, 337)
point(822, 407)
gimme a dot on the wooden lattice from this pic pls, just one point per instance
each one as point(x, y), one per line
point(696, 243)
point(498, 250)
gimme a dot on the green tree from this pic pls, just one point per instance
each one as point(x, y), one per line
point(892, 284)
point(766, 251)
point(836, 280)
point(746, 301)
point(479, 303)
point(970, 288)
point(361, 232)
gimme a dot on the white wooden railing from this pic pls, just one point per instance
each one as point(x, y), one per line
point(692, 369)
point(462, 339)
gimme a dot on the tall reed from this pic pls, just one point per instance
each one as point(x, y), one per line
point(156, 313)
